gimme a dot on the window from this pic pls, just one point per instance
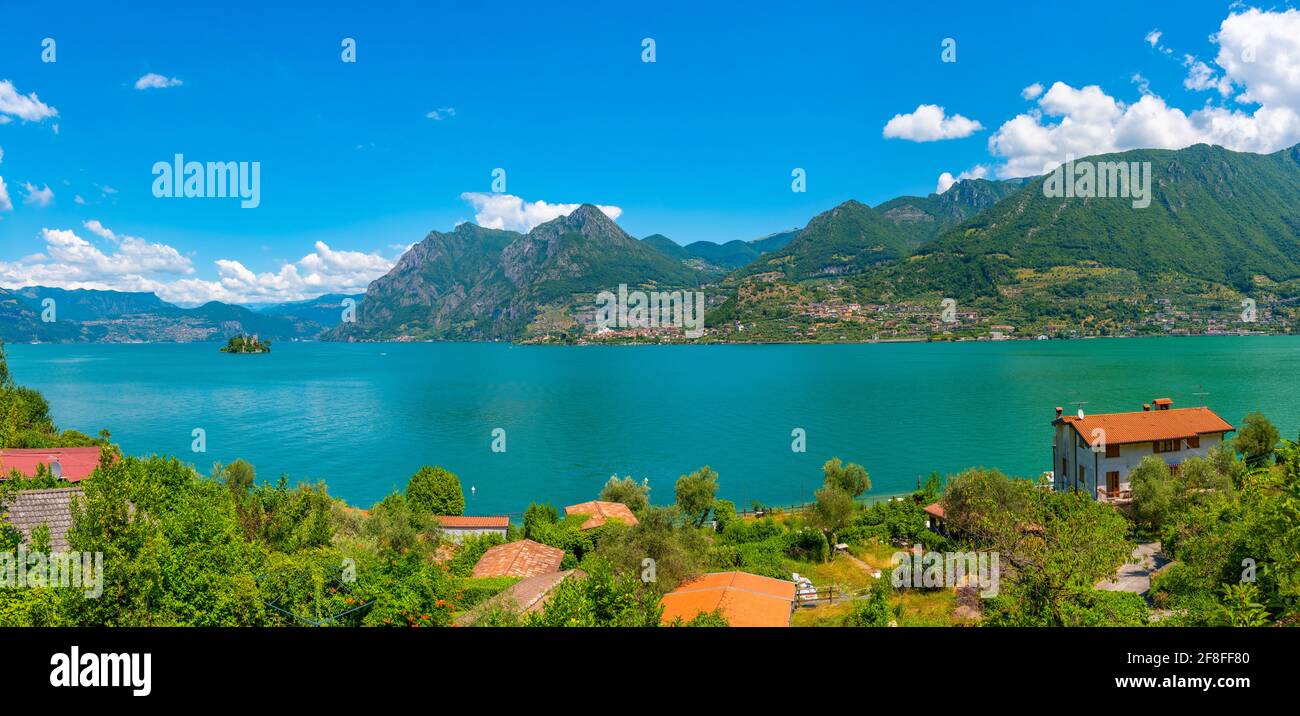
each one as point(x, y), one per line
point(1166, 446)
point(1081, 474)
point(1112, 451)
point(1194, 441)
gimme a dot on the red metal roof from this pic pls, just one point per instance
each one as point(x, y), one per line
point(75, 464)
point(472, 522)
point(1149, 425)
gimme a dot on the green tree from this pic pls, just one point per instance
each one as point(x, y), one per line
point(1154, 491)
point(436, 491)
point(832, 511)
point(872, 610)
point(1241, 606)
point(636, 495)
point(851, 478)
point(1257, 440)
point(536, 515)
point(695, 493)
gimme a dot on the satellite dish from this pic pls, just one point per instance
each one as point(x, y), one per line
point(56, 469)
point(1081, 413)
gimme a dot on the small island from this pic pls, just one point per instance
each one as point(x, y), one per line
point(246, 344)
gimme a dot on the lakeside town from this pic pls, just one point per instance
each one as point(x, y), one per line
point(1143, 517)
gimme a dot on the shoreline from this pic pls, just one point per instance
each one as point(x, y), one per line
point(670, 343)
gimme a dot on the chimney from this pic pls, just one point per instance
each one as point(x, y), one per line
point(1162, 403)
point(1146, 407)
point(1058, 411)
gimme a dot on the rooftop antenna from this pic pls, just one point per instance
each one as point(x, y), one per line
point(1201, 394)
point(1080, 403)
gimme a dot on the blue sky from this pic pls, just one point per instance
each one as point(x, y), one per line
point(698, 145)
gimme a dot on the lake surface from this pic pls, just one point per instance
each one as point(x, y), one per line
point(364, 417)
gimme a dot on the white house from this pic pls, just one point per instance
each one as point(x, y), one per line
point(1096, 453)
point(458, 527)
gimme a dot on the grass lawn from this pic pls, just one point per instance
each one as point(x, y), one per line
point(920, 607)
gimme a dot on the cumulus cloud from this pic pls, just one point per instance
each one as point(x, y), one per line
point(442, 113)
point(1033, 91)
point(27, 107)
point(5, 203)
point(38, 197)
point(947, 180)
point(133, 264)
point(507, 211)
point(153, 80)
point(929, 123)
point(1259, 54)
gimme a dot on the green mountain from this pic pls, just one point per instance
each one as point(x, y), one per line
point(845, 240)
point(1220, 227)
point(923, 218)
point(1215, 215)
point(715, 259)
point(482, 284)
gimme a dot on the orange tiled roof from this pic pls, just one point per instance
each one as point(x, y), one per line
point(472, 522)
point(1149, 425)
point(935, 509)
point(524, 558)
point(745, 599)
point(601, 512)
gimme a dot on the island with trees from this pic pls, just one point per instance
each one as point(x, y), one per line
point(246, 344)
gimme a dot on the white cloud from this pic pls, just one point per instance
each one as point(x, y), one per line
point(1257, 60)
point(506, 211)
point(77, 199)
point(929, 123)
point(133, 264)
point(70, 261)
point(25, 107)
point(442, 113)
point(39, 197)
point(947, 180)
point(1033, 91)
point(154, 80)
point(5, 203)
point(1259, 53)
point(1201, 76)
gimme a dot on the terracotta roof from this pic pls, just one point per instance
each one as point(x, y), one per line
point(472, 522)
point(524, 558)
point(75, 464)
point(1147, 426)
point(935, 509)
point(30, 509)
point(601, 512)
point(745, 599)
point(524, 597)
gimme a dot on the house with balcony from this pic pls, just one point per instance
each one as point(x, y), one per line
point(1096, 453)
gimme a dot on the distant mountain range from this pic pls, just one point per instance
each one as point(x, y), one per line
point(84, 315)
point(1220, 225)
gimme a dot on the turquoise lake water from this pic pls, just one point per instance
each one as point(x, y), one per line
point(363, 417)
